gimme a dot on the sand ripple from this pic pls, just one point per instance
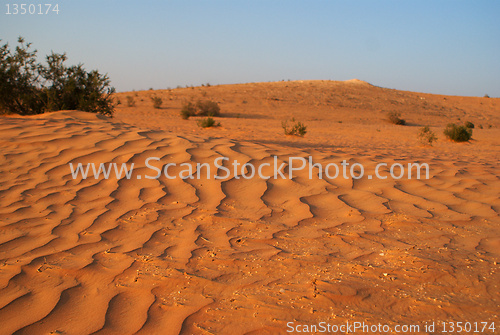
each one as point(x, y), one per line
point(235, 256)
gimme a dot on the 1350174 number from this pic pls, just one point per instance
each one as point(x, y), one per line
point(38, 9)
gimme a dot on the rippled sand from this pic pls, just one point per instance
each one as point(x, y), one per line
point(243, 256)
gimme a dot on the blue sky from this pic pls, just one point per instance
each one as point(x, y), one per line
point(446, 47)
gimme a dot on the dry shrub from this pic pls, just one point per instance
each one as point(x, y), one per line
point(207, 108)
point(157, 102)
point(427, 136)
point(207, 123)
point(395, 118)
point(458, 133)
point(297, 129)
point(201, 108)
point(130, 101)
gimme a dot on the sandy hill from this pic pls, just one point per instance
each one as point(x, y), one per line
point(237, 256)
point(338, 114)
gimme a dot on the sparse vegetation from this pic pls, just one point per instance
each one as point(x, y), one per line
point(458, 133)
point(185, 114)
point(469, 125)
point(207, 123)
point(130, 101)
point(395, 118)
point(207, 108)
point(201, 108)
point(28, 87)
point(486, 96)
point(157, 102)
point(297, 129)
point(188, 109)
point(427, 136)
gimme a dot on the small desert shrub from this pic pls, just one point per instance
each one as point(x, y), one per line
point(118, 102)
point(480, 126)
point(458, 133)
point(201, 108)
point(395, 118)
point(157, 101)
point(486, 96)
point(427, 136)
point(207, 123)
point(188, 109)
point(185, 114)
point(207, 108)
point(469, 125)
point(297, 129)
point(130, 101)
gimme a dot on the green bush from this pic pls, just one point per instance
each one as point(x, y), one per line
point(157, 102)
point(207, 123)
point(427, 136)
point(27, 87)
point(395, 118)
point(298, 128)
point(458, 133)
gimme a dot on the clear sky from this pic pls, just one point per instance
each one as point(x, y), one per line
point(435, 46)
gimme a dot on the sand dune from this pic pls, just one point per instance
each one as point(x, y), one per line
point(237, 256)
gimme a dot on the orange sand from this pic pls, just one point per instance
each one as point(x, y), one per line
point(247, 256)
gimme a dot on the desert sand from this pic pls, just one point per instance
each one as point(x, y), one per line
point(125, 256)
